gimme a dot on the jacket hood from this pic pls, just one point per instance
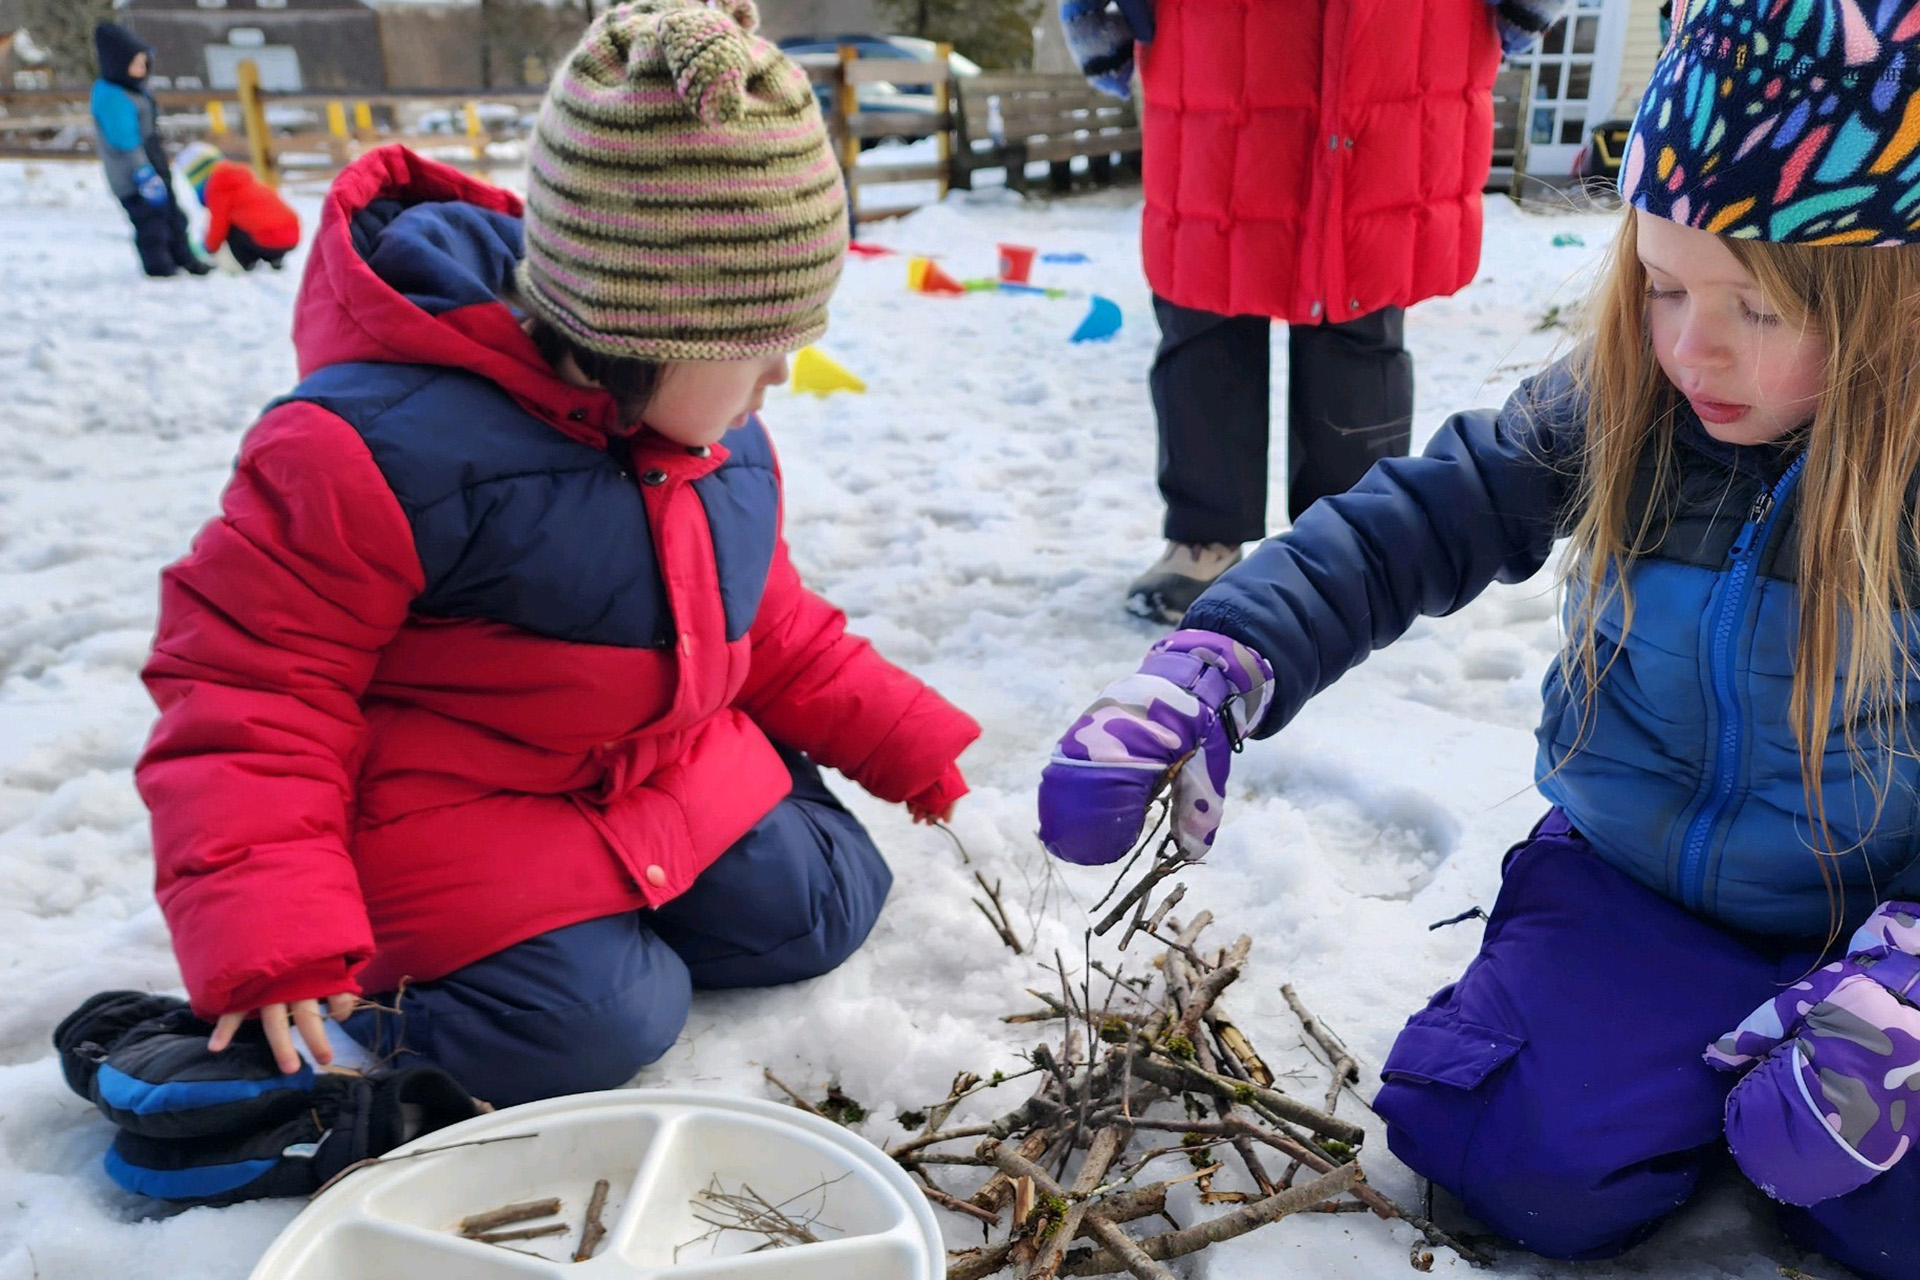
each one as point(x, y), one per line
point(410, 265)
point(115, 48)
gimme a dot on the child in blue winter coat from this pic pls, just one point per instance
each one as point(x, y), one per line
point(126, 125)
point(1708, 941)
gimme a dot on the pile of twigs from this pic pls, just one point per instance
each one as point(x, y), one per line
point(1152, 1070)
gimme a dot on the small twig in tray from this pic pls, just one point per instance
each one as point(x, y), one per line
point(593, 1229)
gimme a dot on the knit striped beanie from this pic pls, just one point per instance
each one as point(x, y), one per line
point(683, 202)
point(196, 162)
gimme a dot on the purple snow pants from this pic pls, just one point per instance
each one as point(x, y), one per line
point(1557, 1088)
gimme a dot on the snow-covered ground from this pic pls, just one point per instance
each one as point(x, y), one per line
point(978, 512)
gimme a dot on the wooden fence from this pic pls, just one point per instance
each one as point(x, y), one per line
point(1003, 121)
point(985, 122)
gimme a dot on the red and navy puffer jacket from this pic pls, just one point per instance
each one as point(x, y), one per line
point(455, 666)
point(1315, 160)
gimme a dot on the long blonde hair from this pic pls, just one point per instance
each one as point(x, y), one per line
point(1857, 523)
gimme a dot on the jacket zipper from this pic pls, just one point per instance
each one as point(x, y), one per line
point(1726, 625)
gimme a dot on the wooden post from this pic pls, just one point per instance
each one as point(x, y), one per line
point(846, 113)
point(943, 108)
point(475, 134)
point(1521, 137)
point(337, 127)
point(217, 118)
point(363, 120)
point(254, 115)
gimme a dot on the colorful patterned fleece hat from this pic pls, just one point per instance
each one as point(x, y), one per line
point(683, 202)
point(1794, 121)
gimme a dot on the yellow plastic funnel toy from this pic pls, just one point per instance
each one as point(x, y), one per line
point(815, 371)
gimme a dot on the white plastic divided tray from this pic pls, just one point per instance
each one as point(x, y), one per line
point(399, 1220)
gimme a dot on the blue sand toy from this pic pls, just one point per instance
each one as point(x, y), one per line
point(1102, 321)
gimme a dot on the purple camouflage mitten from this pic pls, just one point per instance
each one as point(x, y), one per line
point(1835, 1098)
point(1194, 697)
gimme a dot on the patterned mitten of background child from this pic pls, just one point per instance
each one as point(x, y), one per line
point(152, 187)
point(1834, 1099)
point(1179, 716)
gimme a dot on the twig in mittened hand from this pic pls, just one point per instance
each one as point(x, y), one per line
point(1168, 861)
point(1149, 841)
point(593, 1229)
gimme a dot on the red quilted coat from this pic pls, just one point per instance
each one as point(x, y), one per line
point(1315, 160)
point(356, 775)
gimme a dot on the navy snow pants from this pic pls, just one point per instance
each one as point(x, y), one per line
point(586, 1006)
point(1558, 1089)
point(160, 236)
point(1349, 404)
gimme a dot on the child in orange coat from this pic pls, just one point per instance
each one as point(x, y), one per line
point(248, 216)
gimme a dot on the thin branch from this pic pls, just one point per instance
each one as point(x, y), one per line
point(798, 1101)
point(1131, 1255)
point(1177, 1244)
point(1100, 1155)
point(1125, 1206)
point(1345, 1070)
point(955, 1204)
point(593, 1229)
point(508, 1214)
point(1165, 864)
point(912, 1145)
point(521, 1233)
point(1382, 1206)
point(997, 915)
point(1185, 1076)
point(424, 1151)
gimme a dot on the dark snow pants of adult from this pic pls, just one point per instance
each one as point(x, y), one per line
point(586, 1006)
point(160, 234)
point(1558, 1087)
point(1349, 404)
point(248, 253)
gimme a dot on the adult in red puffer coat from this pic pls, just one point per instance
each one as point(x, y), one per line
point(1317, 162)
point(492, 691)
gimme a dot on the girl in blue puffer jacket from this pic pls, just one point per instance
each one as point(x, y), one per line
point(1726, 743)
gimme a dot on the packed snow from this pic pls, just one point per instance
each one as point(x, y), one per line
point(978, 513)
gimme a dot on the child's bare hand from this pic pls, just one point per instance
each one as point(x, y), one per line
point(304, 1015)
point(922, 815)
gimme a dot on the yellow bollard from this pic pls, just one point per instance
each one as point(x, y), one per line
point(337, 126)
point(474, 132)
point(362, 118)
point(254, 114)
point(217, 118)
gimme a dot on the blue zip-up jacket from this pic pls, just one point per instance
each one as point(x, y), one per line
point(1688, 777)
point(125, 120)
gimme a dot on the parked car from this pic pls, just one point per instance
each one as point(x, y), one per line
point(908, 101)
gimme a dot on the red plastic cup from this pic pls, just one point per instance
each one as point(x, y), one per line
point(1016, 263)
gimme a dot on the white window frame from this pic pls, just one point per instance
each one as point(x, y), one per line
point(1557, 157)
